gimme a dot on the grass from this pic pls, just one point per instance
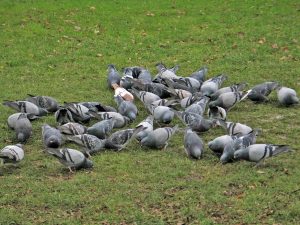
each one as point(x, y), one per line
point(62, 49)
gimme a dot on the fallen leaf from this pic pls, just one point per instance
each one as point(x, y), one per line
point(274, 46)
point(262, 40)
point(260, 172)
point(77, 28)
point(92, 8)
point(150, 14)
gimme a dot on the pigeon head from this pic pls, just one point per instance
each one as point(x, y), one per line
point(43, 112)
point(22, 137)
point(224, 158)
point(88, 164)
point(241, 154)
point(131, 116)
point(20, 145)
point(53, 142)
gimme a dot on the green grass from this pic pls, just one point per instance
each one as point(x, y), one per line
point(62, 49)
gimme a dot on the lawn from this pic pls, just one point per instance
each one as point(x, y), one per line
point(62, 49)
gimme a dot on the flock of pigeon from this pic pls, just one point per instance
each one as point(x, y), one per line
point(165, 96)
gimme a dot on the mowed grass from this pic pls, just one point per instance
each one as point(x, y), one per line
point(62, 49)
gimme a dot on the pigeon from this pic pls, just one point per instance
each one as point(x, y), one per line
point(179, 93)
point(193, 144)
point(113, 76)
point(26, 107)
point(45, 102)
point(145, 97)
point(228, 153)
point(79, 112)
point(23, 128)
point(227, 100)
point(195, 121)
point(120, 120)
point(232, 88)
point(162, 114)
point(218, 144)
point(192, 84)
point(12, 153)
point(198, 107)
point(126, 108)
point(216, 112)
point(155, 88)
point(260, 92)
point(209, 87)
point(98, 107)
point(189, 100)
point(139, 73)
point(200, 74)
point(72, 128)
point(71, 158)
point(159, 137)
point(12, 119)
point(121, 138)
point(287, 96)
point(237, 143)
point(91, 144)
point(165, 102)
point(63, 116)
point(234, 128)
point(102, 128)
point(52, 138)
point(164, 72)
point(148, 127)
point(259, 152)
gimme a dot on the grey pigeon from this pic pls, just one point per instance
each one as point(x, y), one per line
point(71, 158)
point(193, 144)
point(165, 102)
point(45, 102)
point(101, 129)
point(12, 119)
point(155, 88)
point(162, 114)
point(260, 92)
point(63, 115)
point(159, 137)
point(218, 144)
point(126, 108)
point(79, 112)
point(72, 128)
point(237, 143)
point(139, 73)
point(227, 100)
point(113, 76)
point(145, 97)
point(26, 107)
point(98, 107)
point(90, 143)
point(164, 72)
point(287, 96)
point(259, 152)
point(216, 112)
point(195, 121)
point(210, 86)
point(23, 128)
point(148, 127)
point(192, 84)
point(52, 138)
point(228, 153)
point(120, 120)
point(198, 107)
point(12, 153)
point(189, 100)
point(121, 138)
point(200, 74)
point(232, 88)
point(234, 128)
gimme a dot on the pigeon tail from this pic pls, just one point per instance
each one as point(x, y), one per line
point(280, 148)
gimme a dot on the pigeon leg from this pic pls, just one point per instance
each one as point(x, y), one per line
point(1, 162)
point(70, 169)
point(166, 146)
point(260, 163)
